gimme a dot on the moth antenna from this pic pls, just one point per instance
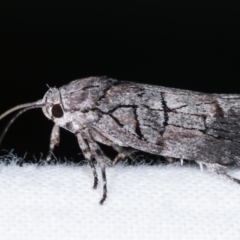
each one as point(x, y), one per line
point(26, 107)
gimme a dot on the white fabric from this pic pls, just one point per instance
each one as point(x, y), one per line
point(144, 202)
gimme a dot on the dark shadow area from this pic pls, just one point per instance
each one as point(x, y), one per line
point(182, 44)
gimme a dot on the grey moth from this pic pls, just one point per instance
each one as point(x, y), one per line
point(173, 123)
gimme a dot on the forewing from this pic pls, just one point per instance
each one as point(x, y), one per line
point(159, 120)
point(171, 122)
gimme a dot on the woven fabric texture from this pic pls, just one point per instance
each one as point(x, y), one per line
point(144, 202)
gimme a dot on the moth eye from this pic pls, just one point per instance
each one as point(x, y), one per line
point(57, 111)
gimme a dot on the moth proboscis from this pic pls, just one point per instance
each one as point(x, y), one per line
point(173, 123)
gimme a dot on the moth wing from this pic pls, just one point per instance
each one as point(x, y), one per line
point(169, 122)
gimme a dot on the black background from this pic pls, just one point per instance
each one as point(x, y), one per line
point(183, 44)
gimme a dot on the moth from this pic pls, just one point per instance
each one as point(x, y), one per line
point(173, 123)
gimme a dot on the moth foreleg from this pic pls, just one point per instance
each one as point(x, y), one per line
point(54, 140)
point(88, 155)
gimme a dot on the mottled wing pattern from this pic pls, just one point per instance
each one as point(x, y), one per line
point(172, 122)
point(160, 120)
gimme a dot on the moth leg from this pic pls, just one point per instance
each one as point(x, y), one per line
point(95, 176)
point(88, 155)
point(101, 158)
point(98, 137)
point(118, 157)
point(220, 170)
point(103, 162)
point(181, 161)
point(54, 140)
point(104, 196)
point(169, 159)
point(123, 153)
point(200, 165)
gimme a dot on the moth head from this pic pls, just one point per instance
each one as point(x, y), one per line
point(50, 104)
